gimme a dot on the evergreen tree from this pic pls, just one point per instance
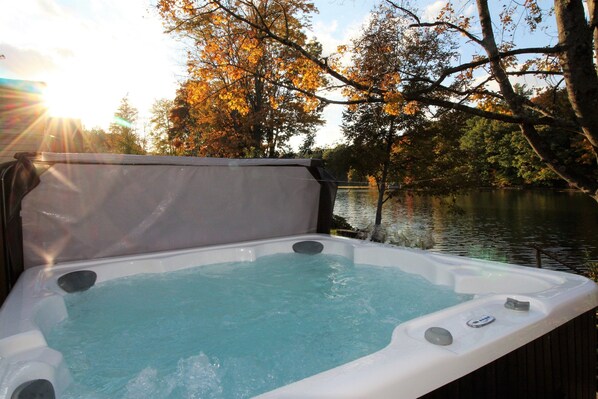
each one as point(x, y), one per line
point(123, 138)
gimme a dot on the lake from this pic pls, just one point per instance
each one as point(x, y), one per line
point(492, 224)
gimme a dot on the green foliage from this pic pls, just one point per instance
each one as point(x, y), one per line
point(371, 133)
point(500, 156)
point(452, 152)
point(338, 161)
point(339, 222)
point(431, 158)
point(122, 138)
point(160, 127)
point(95, 141)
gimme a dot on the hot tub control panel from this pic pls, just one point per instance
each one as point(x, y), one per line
point(481, 321)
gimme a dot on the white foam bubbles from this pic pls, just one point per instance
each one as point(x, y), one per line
point(195, 377)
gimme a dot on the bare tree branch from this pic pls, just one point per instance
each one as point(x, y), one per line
point(449, 25)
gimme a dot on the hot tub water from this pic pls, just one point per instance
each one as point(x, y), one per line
point(234, 330)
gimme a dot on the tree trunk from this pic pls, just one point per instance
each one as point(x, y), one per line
point(271, 142)
point(257, 130)
point(377, 233)
point(515, 104)
point(579, 71)
point(593, 11)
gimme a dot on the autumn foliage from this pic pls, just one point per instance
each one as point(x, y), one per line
point(238, 94)
point(251, 62)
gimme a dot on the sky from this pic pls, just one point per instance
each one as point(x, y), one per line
point(92, 53)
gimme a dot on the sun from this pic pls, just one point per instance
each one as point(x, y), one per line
point(75, 99)
point(62, 102)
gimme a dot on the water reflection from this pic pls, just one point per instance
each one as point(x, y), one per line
point(494, 224)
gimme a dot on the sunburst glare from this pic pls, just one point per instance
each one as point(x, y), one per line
point(62, 101)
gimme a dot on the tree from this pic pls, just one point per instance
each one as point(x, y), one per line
point(184, 133)
point(431, 158)
point(468, 85)
point(373, 132)
point(239, 90)
point(499, 156)
point(161, 126)
point(380, 55)
point(339, 160)
point(122, 138)
point(95, 141)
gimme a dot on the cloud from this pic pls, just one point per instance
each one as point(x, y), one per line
point(432, 10)
point(327, 36)
point(330, 134)
point(24, 63)
point(337, 24)
point(331, 33)
point(49, 7)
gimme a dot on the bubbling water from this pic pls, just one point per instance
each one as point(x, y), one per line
point(234, 330)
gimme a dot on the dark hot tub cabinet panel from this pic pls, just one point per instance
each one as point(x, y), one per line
point(558, 365)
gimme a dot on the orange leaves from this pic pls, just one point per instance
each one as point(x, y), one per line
point(534, 14)
point(305, 74)
point(411, 108)
point(273, 102)
point(235, 100)
point(238, 87)
point(492, 104)
point(372, 181)
point(188, 7)
point(447, 14)
point(393, 103)
point(390, 81)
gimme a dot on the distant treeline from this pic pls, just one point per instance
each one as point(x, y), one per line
point(458, 151)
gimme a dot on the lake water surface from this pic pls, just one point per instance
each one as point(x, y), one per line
point(495, 224)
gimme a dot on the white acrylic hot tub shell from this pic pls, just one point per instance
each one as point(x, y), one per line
point(407, 368)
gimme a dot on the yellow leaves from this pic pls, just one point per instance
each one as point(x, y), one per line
point(492, 104)
point(188, 7)
point(197, 91)
point(464, 23)
point(304, 74)
point(393, 103)
point(231, 94)
point(310, 104)
point(372, 181)
point(235, 100)
point(393, 109)
point(411, 108)
point(390, 81)
point(274, 102)
point(231, 62)
point(218, 19)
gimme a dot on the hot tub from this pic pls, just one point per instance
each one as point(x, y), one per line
point(511, 309)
